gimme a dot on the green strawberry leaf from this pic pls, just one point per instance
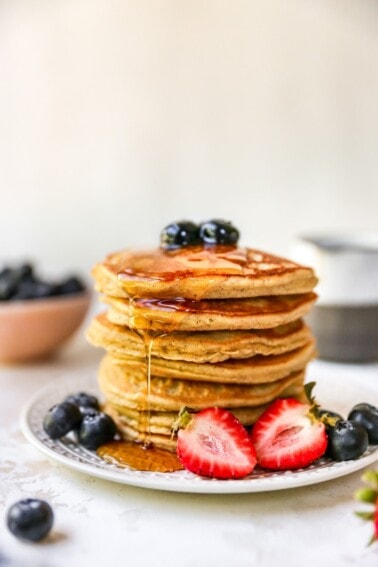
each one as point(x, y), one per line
point(369, 516)
point(371, 477)
point(308, 388)
point(183, 419)
point(368, 495)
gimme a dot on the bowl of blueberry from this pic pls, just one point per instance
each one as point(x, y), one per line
point(37, 316)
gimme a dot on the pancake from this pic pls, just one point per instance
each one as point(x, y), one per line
point(210, 346)
point(200, 272)
point(209, 315)
point(258, 369)
point(127, 387)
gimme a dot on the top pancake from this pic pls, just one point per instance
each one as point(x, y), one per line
point(200, 272)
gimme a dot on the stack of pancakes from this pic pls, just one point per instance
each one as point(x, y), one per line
point(199, 327)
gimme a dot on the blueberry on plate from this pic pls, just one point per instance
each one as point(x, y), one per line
point(61, 419)
point(329, 418)
point(179, 234)
point(30, 519)
point(87, 410)
point(218, 232)
point(82, 399)
point(367, 416)
point(96, 429)
point(347, 440)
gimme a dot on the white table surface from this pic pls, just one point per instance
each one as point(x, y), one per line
point(103, 523)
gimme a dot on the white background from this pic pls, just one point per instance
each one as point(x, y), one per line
point(117, 117)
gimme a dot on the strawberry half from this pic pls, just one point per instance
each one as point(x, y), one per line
point(288, 435)
point(214, 443)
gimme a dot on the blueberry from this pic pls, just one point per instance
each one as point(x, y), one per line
point(329, 424)
point(70, 285)
point(218, 232)
point(34, 290)
point(85, 402)
point(25, 290)
point(87, 410)
point(178, 234)
point(347, 440)
point(8, 283)
point(367, 416)
point(61, 419)
point(25, 273)
point(82, 399)
point(21, 282)
point(30, 519)
point(12, 278)
point(96, 429)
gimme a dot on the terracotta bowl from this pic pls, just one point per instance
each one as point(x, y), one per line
point(35, 328)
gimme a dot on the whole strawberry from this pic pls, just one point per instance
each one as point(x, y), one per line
point(369, 495)
point(215, 444)
point(289, 434)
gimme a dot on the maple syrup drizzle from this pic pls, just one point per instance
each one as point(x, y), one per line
point(148, 341)
point(193, 261)
point(141, 455)
point(149, 351)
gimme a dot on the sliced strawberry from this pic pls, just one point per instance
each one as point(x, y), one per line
point(288, 436)
point(214, 443)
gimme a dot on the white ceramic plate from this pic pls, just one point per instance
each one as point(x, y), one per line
point(332, 394)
